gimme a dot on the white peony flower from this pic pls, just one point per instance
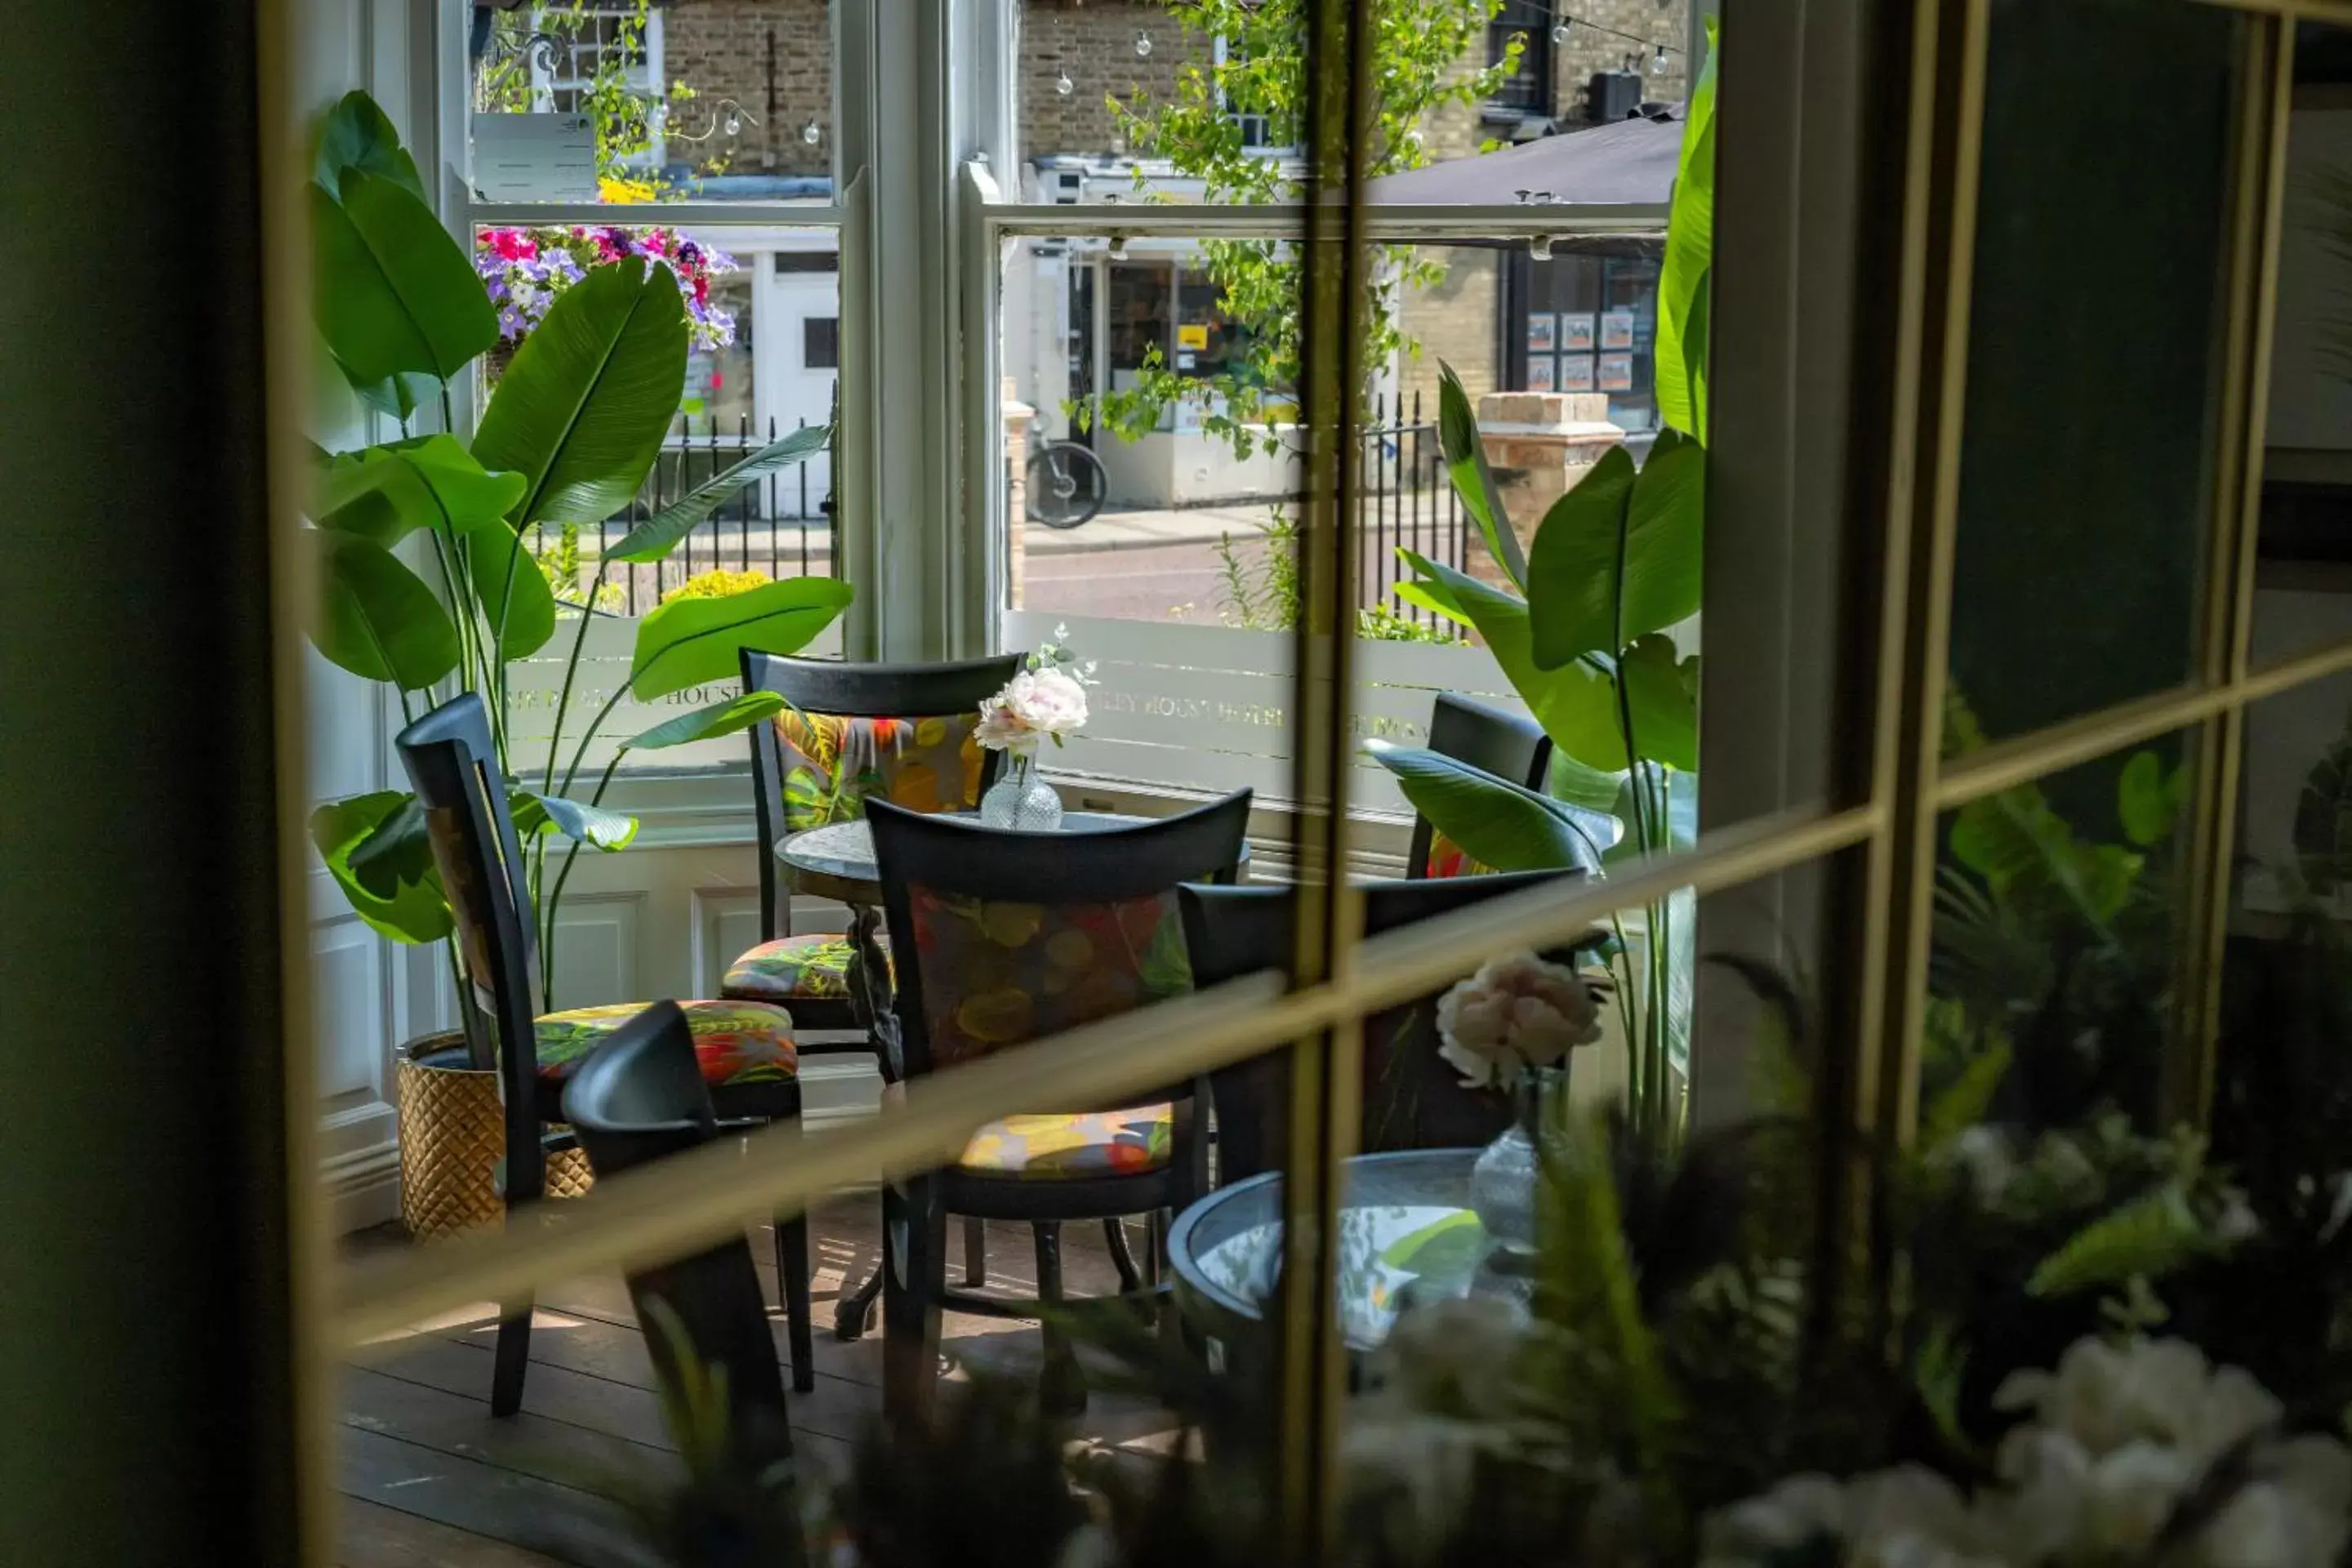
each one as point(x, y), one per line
point(1515, 1013)
point(1034, 702)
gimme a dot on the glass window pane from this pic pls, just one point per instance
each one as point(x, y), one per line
point(2058, 934)
point(2085, 491)
point(763, 308)
point(630, 100)
point(2306, 540)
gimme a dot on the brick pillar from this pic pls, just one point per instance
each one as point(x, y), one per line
point(1538, 444)
point(1018, 416)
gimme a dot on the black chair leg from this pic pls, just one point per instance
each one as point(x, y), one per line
point(514, 1359)
point(975, 1252)
point(853, 1310)
point(914, 1273)
point(1062, 1386)
point(1122, 1256)
point(792, 1293)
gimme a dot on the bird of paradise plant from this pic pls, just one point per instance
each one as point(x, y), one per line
point(565, 441)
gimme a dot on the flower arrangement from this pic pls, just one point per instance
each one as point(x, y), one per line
point(1047, 699)
point(1517, 1012)
point(528, 269)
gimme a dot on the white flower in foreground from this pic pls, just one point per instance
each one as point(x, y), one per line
point(1515, 1013)
point(1034, 702)
point(2104, 1395)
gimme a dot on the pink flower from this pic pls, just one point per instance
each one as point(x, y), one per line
point(1515, 1013)
point(1032, 703)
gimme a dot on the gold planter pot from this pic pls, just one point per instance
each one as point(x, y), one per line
point(452, 1137)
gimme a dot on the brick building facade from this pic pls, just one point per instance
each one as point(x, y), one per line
point(774, 58)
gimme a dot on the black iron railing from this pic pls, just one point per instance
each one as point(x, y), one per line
point(1406, 502)
point(782, 525)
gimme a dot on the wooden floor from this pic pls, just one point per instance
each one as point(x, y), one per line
point(428, 1479)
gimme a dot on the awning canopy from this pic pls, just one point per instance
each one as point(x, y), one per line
point(1629, 163)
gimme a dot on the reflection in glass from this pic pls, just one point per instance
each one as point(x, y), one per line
point(628, 101)
point(2053, 978)
point(2085, 492)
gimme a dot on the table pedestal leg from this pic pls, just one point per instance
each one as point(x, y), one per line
point(869, 997)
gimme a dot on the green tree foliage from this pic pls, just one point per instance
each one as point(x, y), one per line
point(1418, 50)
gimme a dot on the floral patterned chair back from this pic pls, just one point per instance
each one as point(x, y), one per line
point(1412, 1099)
point(997, 944)
point(1508, 745)
point(854, 732)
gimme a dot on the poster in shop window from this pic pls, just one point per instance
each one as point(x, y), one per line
point(1576, 332)
point(1539, 373)
point(1616, 330)
point(1540, 325)
point(1575, 373)
point(1616, 373)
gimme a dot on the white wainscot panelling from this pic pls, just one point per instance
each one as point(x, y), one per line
point(597, 937)
point(358, 1127)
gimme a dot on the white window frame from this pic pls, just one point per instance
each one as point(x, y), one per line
point(653, 87)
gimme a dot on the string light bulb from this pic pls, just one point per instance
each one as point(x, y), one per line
point(1539, 248)
point(1064, 85)
point(1560, 30)
point(1118, 247)
point(734, 123)
point(1143, 45)
point(812, 134)
point(1658, 61)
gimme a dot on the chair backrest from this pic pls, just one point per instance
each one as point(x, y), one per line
point(1411, 1098)
point(640, 1096)
point(904, 733)
point(999, 937)
point(1508, 745)
point(454, 768)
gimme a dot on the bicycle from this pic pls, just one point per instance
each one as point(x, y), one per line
point(1067, 484)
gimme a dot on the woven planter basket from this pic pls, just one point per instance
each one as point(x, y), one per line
point(452, 1136)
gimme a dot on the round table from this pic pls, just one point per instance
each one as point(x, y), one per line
point(837, 861)
point(1405, 1231)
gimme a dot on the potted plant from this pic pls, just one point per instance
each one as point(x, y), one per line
point(564, 441)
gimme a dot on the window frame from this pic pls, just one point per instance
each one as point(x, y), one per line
point(1896, 504)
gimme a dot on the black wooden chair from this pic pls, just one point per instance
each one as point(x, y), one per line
point(1002, 938)
point(745, 1049)
point(899, 732)
point(638, 1098)
point(1508, 745)
point(1411, 1098)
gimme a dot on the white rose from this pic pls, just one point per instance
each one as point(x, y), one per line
point(1515, 1013)
point(1034, 702)
point(1795, 1513)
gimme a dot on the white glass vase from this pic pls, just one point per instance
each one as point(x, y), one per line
point(1021, 801)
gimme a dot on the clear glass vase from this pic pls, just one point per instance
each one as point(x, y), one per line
point(1021, 801)
point(1503, 1181)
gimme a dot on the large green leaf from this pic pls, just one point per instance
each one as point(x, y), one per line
point(658, 535)
point(1686, 278)
point(2148, 798)
point(534, 814)
point(414, 911)
point(736, 713)
point(356, 134)
point(2028, 856)
point(393, 293)
point(1504, 825)
point(582, 411)
point(1618, 556)
point(688, 642)
point(397, 850)
point(377, 618)
point(382, 494)
point(1433, 598)
point(1663, 693)
point(1572, 573)
point(1473, 481)
point(516, 599)
point(1576, 704)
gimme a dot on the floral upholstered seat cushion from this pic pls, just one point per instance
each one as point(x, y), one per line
point(996, 973)
point(737, 1042)
point(791, 969)
point(1075, 1147)
point(834, 764)
point(1447, 858)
